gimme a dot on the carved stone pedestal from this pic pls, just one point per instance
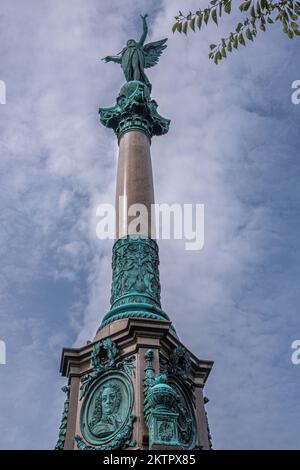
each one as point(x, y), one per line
point(135, 386)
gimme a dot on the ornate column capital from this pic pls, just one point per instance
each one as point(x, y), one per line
point(134, 110)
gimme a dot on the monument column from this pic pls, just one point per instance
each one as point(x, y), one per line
point(135, 385)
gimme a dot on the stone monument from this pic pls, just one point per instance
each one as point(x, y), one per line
point(135, 386)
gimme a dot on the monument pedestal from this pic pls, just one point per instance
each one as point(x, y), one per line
point(135, 386)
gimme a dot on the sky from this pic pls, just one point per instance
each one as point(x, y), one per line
point(233, 146)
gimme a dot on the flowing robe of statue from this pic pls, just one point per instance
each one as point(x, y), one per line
point(133, 63)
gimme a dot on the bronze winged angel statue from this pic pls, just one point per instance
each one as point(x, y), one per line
point(137, 56)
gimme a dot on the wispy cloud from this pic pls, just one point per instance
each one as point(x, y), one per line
point(233, 145)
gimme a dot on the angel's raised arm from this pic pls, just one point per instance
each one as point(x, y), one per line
point(145, 30)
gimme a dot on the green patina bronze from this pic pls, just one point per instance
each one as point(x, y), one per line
point(104, 358)
point(186, 416)
point(106, 419)
point(135, 280)
point(168, 408)
point(160, 411)
point(121, 441)
point(179, 362)
point(135, 266)
point(134, 110)
point(104, 354)
point(136, 56)
point(64, 421)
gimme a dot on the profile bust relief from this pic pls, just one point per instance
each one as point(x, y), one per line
point(106, 415)
point(106, 419)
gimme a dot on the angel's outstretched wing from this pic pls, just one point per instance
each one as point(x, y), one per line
point(153, 51)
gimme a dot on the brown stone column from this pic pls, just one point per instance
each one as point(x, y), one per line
point(134, 184)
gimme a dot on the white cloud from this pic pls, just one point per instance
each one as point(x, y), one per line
point(233, 138)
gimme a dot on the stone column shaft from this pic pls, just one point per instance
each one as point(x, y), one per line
point(134, 185)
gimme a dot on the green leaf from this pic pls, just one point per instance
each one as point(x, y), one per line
point(212, 46)
point(263, 4)
point(249, 34)
point(214, 16)
point(239, 27)
point(258, 9)
point(227, 7)
point(223, 52)
point(206, 15)
point(262, 27)
point(192, 23)
point(284, 15)
point(185, 27)
point(175, 25)
point(245, 5)
point(241, 39)
point(199, 21)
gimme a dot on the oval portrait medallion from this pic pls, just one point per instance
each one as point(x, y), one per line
point(107, 408)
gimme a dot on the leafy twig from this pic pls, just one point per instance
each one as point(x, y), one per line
point(259, 14)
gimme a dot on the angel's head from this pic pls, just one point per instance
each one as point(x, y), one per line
point(131, 42)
